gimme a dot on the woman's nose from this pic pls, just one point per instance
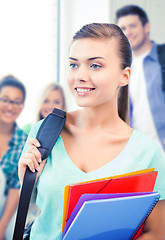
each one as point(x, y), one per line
point(51, 105)
point(82, 74)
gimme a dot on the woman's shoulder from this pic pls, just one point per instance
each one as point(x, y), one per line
point(143, 137)
point(34, 128)
point(71, 119)
point(144, 143)
point(72, 116)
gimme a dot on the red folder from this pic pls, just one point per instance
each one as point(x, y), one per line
point(136, 183)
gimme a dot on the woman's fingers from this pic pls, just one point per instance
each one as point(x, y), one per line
point(35, 152)
point(31, 158)
point(34, 141)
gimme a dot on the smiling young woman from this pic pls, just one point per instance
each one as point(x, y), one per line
point(96, 142)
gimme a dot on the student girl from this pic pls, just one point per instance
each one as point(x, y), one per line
point(52, 97)
point(95, 142)
point(12, 140)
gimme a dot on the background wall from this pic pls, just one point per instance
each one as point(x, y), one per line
point(28, 46)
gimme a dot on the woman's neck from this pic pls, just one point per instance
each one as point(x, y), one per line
point(97, 117)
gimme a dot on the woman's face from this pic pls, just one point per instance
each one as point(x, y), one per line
point(53, 100)
point(95, 73)
point(11, 104)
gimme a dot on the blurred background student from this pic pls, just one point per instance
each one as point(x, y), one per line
point(52, 97)
point(12, 139)
point(147, 94)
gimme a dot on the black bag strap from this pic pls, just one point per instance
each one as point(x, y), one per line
point(161, 56)
point(47, 135)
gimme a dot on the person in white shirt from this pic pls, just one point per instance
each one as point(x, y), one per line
point(147, 96)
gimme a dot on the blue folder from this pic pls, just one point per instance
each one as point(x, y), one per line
point(109, 216)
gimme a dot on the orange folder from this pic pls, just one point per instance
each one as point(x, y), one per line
point(139, 181)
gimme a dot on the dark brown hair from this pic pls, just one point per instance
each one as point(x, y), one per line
point(132, 10)
point(111, 31)
point(12, 81)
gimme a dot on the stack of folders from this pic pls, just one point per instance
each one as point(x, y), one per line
point(109, 208)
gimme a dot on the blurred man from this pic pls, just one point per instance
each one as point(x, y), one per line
point(147, 94)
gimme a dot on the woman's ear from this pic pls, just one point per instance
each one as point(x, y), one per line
point(125, 77)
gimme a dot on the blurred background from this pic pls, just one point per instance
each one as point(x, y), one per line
point(35, 37)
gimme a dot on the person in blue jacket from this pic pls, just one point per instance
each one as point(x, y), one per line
point(96, 141)
point(147, 95)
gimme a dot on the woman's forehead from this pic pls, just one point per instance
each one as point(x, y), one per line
point(92, 47)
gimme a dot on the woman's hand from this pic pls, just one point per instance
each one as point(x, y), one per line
point(147, 236)
point(154, 228)
point(32, 159)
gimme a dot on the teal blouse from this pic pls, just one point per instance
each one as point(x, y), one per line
point(141, 152)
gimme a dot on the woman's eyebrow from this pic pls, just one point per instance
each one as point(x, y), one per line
point(74, 59)
point(93, 58)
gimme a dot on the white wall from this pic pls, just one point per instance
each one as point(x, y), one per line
point(26, 46)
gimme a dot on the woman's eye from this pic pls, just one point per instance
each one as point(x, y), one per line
point(73, 65)
point(95, 66)
point(56, 102)
point(46, 101)
point(5, 100)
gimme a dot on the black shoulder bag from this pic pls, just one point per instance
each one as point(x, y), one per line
point(47, 135)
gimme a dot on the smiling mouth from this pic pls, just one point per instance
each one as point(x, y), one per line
point(84, 90)
point(8, 114)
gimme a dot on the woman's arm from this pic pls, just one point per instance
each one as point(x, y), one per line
point(9, 209)
point(154, 228)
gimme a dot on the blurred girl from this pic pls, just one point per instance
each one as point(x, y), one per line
point(52, 97)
